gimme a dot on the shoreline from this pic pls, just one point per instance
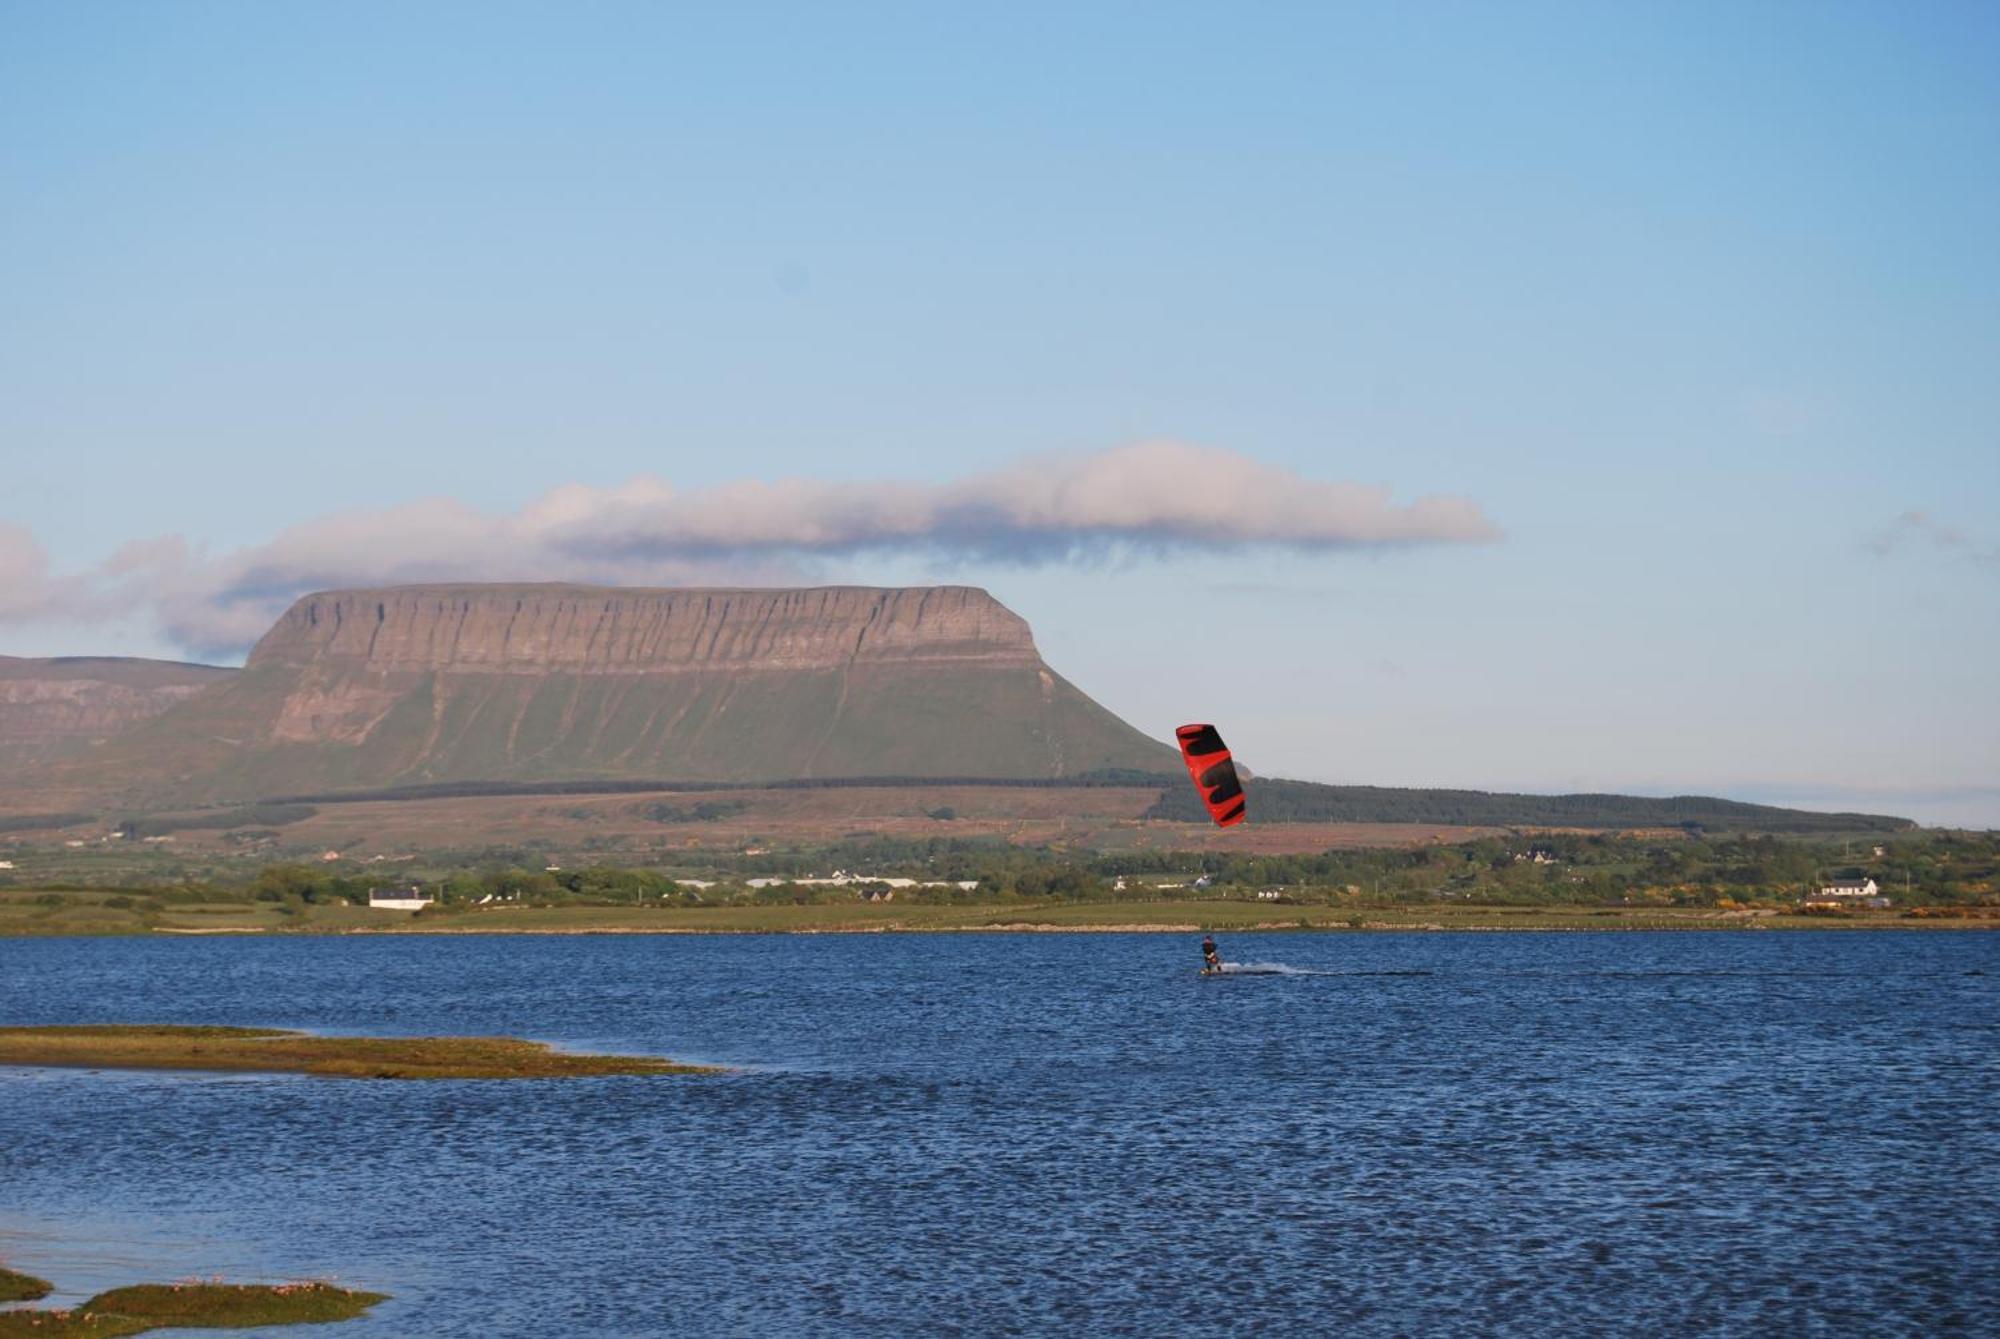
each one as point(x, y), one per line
point(1688, 925)
point(109, 914)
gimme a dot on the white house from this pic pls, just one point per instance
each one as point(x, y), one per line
point(1860, 892)
point(398, 899)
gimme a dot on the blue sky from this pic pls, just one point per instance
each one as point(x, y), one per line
point(1698, 305)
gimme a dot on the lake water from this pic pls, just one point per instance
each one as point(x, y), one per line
point(1415, 1134)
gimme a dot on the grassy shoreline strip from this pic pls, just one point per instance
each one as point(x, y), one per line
point(267, 1050)
point(191, 1305)
point(1177, 917)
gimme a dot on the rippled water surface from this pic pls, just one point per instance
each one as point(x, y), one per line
point(1417, 1134)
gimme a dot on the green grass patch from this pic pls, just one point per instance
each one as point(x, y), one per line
point(268, 1050)
point(206, 1306)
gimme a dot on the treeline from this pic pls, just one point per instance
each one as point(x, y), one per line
point(1915, 867)
point(253, 815)
point(1278, 801)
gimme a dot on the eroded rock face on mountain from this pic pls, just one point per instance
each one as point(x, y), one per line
point(587, 630)
point(419, 684)
point(58, 708)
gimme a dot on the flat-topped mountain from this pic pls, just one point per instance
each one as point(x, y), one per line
point(422, 684)
point(537, 629)
point(58, 708)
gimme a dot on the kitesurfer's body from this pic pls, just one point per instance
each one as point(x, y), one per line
point(1211, 958)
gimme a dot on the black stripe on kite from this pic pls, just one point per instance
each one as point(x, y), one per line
point(1201, 739)
point(1227, 789)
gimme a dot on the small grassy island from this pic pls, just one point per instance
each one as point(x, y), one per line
point(21, 1287)
point(271, 1050)
point(190, 1305)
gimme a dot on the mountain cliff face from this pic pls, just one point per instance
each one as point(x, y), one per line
point(59, 708)
point(417, 684)
point(595, 630)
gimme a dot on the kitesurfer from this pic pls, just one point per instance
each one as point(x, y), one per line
point(1210, 957)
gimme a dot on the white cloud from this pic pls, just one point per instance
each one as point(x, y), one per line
point(1920, 529)
point(1159, 495)
point(1153, 497)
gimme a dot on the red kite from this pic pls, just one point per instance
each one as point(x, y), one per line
point(1214, 774)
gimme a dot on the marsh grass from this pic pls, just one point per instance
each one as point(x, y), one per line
point(190, 1305)
point(268, 1050)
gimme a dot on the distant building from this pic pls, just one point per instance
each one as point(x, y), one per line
point(842, 879)
point(398, 899)
point(329, 856)
point(1858, 892)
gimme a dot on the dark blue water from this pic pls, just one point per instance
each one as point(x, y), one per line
point(1502, 1134)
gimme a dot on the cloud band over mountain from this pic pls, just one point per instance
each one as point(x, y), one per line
point(1157, 498)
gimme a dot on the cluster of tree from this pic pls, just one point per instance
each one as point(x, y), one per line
point(1586, 868)
point(593, 885)
point(36, 822)
point(702, 811)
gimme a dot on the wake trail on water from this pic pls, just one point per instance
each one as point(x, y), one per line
point(1285, 969)
point(1266, 969)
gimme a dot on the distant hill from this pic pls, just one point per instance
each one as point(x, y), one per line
point(58, 708)
point(468, 690)
point(419, 685)
point(1275, 801)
